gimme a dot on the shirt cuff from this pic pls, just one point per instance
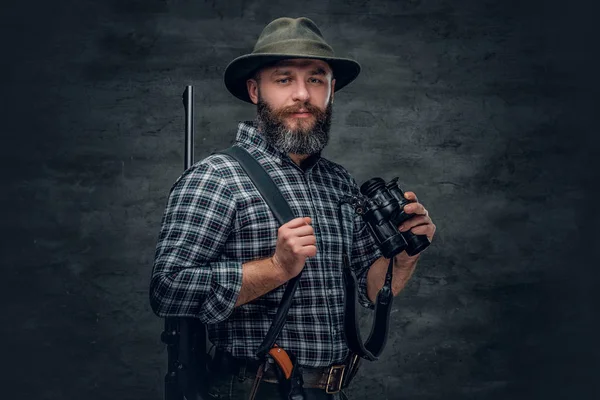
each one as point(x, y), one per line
point(363, 298)
point(225, 286)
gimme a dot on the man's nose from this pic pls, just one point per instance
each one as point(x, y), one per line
point(300, 92)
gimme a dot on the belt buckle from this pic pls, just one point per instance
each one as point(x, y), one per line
point(333, 370)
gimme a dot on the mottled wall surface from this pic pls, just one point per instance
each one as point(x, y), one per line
point(483, 108)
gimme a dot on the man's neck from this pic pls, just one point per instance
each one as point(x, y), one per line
point(298, 158)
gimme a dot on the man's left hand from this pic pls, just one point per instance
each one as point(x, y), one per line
point(404, 265)
point(419, 224)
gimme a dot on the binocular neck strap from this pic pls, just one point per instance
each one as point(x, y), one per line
point(375, 343)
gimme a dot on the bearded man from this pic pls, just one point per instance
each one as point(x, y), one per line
point(223, 258)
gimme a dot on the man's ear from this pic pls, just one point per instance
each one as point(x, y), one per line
point(332, 89)
point(252, 87)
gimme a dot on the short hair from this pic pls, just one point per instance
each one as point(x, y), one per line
point(256, 75)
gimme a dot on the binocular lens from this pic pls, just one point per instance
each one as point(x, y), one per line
point(416, 243)
point(372, 186)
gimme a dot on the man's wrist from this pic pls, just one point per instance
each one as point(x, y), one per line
point(404, 257)
point(279, 271)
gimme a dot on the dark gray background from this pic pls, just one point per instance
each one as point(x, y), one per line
point(485, 109)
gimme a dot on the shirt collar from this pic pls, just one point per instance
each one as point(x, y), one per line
point(248, 135)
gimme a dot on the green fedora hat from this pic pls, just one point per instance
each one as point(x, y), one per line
point(286, 38)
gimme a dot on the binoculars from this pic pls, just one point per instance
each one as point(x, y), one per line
point(382, 209)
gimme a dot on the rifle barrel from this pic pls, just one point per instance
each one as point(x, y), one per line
point(188, 103)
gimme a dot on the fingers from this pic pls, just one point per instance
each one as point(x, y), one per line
point(414, 221)
point(427, 230)
point(420, 223)
point(296, 222)
point(411, 196)
point(415, 208)
point(308, 251)
point(304, 246)
point(302, 230)
point(305, 230)
point(306, 240)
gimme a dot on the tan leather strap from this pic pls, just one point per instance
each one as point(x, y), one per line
point(282, 359)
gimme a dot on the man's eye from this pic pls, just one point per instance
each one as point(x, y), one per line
point(282, 80)
point(315, 80)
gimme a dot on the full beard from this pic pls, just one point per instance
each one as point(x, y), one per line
point(310, 136)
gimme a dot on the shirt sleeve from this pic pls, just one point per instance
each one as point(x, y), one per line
point(364, 253)
point(187, 278)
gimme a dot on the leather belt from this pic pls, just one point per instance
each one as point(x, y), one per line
point(330, 379)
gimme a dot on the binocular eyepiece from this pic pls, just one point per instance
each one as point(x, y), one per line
point(382, 209)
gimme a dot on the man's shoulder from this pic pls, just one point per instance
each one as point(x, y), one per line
point(215, 163)
point(216, 168)
point(219, 162)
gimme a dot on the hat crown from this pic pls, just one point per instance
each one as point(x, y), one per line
point(282, 39)
point(292, 35)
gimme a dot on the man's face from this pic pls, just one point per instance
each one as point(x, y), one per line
point(294, 104)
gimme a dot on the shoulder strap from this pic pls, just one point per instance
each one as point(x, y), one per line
point(282, 211)
point(265, 185)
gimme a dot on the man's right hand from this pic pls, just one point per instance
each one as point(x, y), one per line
point(296, 241)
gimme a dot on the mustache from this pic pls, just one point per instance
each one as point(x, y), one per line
point(309, 108)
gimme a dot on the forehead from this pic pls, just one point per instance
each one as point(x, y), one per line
point(302, 63)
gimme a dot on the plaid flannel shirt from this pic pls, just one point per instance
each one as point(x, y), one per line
point(216, 220)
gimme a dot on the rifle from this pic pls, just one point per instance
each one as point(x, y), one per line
point(187, 376)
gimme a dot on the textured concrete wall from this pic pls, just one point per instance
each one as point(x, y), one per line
point(483, 108)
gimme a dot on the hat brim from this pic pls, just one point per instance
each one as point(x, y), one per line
point(242, 68)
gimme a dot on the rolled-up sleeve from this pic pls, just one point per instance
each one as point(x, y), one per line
point(364, 253)
point(188, 280)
